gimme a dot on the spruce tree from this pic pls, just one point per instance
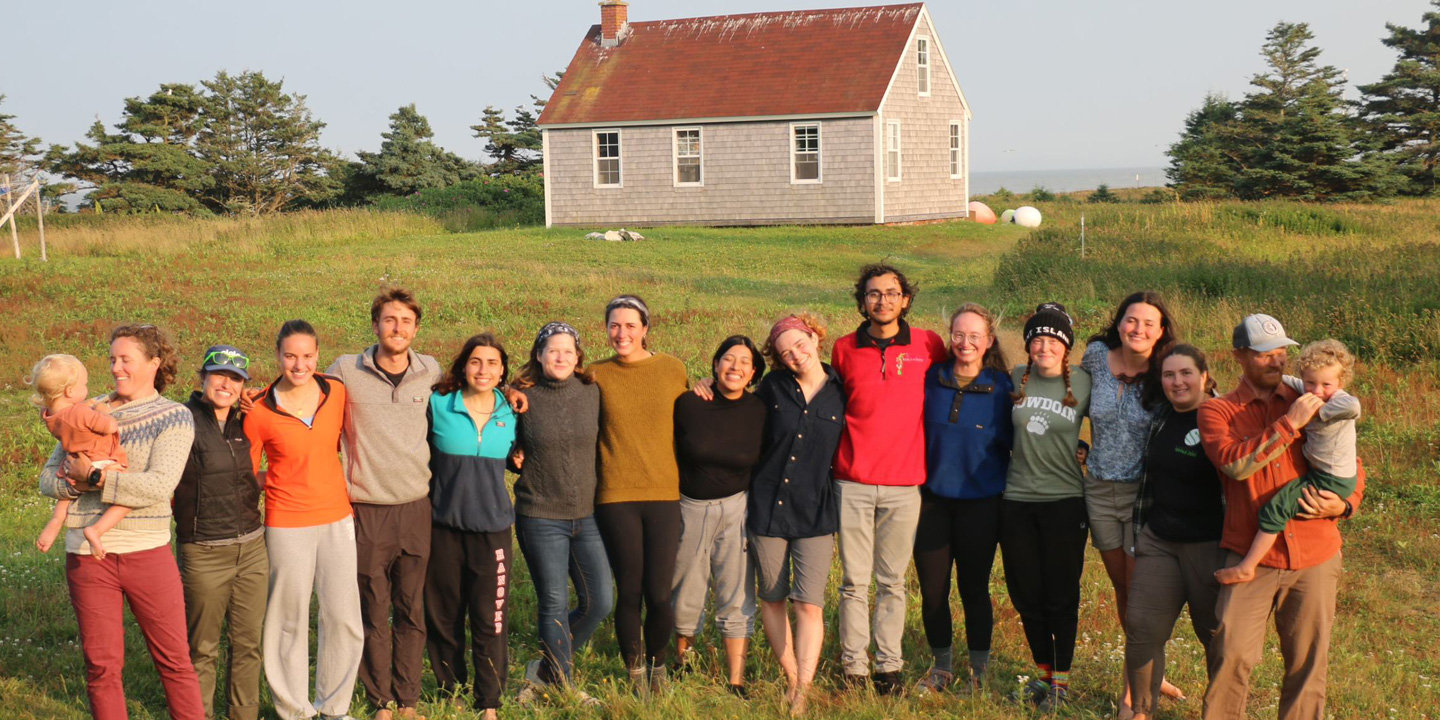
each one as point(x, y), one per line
point(1402, 110)
point(1204, 163)
point(409, 160)
point(18, 153)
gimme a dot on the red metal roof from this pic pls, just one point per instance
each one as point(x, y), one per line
point(777, 63)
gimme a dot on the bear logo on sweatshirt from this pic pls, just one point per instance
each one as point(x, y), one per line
point(1038, 424)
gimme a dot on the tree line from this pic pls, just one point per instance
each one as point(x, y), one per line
point(243, 144)
point(1294, 135)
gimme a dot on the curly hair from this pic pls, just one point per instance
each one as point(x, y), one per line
point(811, 321)
point(1327, 353)
point(875, 270)
point(155, 344)
point(51, 377)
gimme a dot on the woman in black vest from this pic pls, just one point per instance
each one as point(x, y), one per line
point(223, 563)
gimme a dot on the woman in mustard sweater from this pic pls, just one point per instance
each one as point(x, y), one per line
point(637, 502)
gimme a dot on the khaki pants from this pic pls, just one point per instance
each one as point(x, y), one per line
point(1304, 605)
point(226, 582)
point(1168, 576)
point(877, 538)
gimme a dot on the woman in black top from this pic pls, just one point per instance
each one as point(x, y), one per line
point(793, 514)
point(717, 444)
point(1178, 520)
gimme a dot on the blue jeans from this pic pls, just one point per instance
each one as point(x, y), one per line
point(555, 549)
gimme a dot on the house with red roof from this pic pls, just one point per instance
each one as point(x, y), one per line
point(844, 116)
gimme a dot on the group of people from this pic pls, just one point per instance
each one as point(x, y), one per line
point(384, 494)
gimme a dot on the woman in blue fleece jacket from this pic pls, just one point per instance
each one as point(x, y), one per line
point(472, 434)
point(968, 435)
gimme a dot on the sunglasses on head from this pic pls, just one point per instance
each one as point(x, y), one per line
point(227, 357)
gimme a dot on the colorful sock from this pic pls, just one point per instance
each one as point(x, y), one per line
point(943, 659)
point(1044, 672)
point(1060, 679)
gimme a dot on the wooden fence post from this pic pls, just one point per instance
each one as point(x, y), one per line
point(10, 208)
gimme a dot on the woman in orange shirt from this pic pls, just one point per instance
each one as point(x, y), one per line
point(309, 532)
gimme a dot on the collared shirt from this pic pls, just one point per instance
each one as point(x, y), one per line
point(792, 495)
point(884, 442)
point(1258, 451)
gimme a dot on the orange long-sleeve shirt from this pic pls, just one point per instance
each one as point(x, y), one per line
point(305, 485)
point(1258, 451)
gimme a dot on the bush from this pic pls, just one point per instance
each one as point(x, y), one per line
point(1040, 193)
point(503, 201)
point(1102, 194)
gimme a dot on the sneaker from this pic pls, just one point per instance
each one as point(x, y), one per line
point(889, 683)
point(659, 678)
point(935, 681)
point(1057, 698)
point(640, 682)
point(586, 699)
point(1032, 693)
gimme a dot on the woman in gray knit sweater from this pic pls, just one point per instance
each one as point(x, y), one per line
point(138, 568)
point(555, 502)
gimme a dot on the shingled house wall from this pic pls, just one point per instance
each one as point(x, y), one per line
point(925, 191)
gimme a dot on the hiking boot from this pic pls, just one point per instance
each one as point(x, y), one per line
point(1032, 693)
point(659, 679)
point(850, 681)
point(1057, 698)
point(889, 683)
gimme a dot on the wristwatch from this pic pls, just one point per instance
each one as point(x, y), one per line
point(95, 476)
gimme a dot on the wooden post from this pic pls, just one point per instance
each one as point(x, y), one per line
point(10, 208)
point(40, 220)
point(1082, 236)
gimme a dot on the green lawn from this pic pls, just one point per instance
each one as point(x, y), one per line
point(1366, 274)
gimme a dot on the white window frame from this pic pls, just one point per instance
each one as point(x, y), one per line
point(819, 153)
point(595, 158)
point(893, 173)
point(956, 142)
point(922, 65)
point(675, 155)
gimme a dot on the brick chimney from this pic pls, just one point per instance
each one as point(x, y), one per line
point(614, 22)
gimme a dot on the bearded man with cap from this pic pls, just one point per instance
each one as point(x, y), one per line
point(1253, 436)
point(223, 563)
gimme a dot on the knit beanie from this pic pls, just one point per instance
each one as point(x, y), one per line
point(1050, 319)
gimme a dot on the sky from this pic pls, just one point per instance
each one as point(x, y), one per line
point(1053, 84)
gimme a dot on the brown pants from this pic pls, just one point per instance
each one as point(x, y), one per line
point(1168, 576)
point(227, 582)
point(1304, 605)
point(392, 548)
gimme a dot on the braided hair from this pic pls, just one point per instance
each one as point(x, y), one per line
point(1019, 395)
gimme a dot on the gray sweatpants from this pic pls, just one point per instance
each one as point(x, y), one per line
point(714, 554)
point(321, 560)
point(877, 536)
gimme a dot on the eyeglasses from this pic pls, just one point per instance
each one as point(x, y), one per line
point(972, 339)
point(227, 357)
point(887, 296)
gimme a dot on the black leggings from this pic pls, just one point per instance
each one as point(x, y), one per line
point(962, 534)
point(641, 539)
point(1043, 548)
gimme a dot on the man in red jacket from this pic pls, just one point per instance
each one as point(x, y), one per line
point(879, 469)
point(1252, 435)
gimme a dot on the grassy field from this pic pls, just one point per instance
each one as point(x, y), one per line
point(1370, 275)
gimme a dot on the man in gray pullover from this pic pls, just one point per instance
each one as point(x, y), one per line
point(387, 468)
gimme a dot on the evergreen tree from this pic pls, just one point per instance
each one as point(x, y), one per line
point(1402, 110)
point(408, 160)
point(1102, 194)
point(515, 146)
point(18, 153)
point(1204, 163)
point(262, 147)
point(1294, 137)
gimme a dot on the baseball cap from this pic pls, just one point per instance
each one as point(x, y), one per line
point(1261, 333)
point(227, 358)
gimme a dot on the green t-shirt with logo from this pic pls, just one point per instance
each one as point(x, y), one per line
point(1042, 463)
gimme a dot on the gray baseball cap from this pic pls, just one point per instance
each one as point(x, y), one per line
point(1261, 333)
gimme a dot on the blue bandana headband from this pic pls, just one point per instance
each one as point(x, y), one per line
point(556, 328)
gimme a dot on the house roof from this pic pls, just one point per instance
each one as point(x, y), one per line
point(812, 62)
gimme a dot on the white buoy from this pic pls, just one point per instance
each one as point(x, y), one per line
point(1027, 216)
point(1008, 216)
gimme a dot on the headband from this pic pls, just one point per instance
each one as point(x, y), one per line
point(789, 322)
point(556, 328)
point(632, 302)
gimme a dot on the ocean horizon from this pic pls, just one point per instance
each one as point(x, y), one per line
point(1023, 181)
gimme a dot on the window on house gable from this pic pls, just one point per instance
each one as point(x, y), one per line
point(922, 65)
point(892, 150)
point(607, 158)
point(954, 150)
point(687, 157)
point(805, 152)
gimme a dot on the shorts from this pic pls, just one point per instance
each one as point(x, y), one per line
point(1111, 506)
point(809, 558)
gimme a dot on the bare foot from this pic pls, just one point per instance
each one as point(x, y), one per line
point(409, 713)
point(798, 701)
point(1170, 691)
point(97, 548)
point(490, 714)
point(383, 714)
point(1235, 575)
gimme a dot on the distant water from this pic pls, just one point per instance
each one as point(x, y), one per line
point(1021, 181)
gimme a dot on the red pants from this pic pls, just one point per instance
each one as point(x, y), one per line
point(150, 582)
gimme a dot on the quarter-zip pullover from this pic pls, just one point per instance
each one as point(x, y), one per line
point(467, 483)
point(386, 458)
point(305, 485)
point(884, 440)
